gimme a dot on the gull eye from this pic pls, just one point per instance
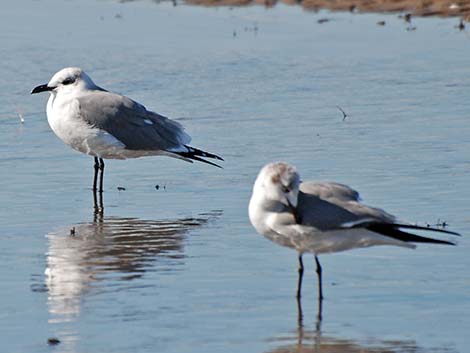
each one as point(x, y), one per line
point(285, 189)
point(68, 81)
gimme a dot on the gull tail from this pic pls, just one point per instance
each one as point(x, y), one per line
point(392, 230)
point(196, 154)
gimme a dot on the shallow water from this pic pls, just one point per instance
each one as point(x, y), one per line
point(180, 268)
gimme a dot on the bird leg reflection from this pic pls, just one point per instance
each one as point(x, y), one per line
point(98, 206)
point(300, 317)
point(319, 315)
point(301, 274)
point(300, 314)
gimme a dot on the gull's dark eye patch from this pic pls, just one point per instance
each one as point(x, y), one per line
point(68, 81)
point(285, 189)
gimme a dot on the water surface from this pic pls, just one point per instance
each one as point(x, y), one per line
point(180, 269)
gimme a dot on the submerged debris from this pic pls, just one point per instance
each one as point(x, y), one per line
point(53, 341)
point(441, 224)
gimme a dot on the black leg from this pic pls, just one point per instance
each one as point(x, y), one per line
point(319, 271)
point(95, 177)
point(320, 294)
point(101, 166)
point(301, 274)
point(98, 199)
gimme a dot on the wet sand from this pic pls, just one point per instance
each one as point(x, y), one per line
point(444, 8)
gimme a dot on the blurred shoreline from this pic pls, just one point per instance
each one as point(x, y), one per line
point(423, 8)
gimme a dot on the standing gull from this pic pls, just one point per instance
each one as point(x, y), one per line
point(106, 125)
point(322, 218)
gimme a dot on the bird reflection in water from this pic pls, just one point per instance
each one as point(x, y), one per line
point(303, 340)
point(314, 342)
point(113, 248)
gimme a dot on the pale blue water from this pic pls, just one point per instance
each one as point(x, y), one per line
point(181, 269)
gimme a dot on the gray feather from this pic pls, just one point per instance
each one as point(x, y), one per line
point(131, 123)
point(328, 206)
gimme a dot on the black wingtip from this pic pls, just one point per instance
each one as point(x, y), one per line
point(204, 161)
point(392, 230)
point(201, 153)
point(196, 154)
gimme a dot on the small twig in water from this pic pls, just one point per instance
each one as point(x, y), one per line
point(344, 113)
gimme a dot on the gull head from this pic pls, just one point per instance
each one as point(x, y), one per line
point(280, 182)
point(67, 80)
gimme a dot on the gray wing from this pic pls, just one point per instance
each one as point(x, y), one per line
point(328, 206)
point(328, 190)
point(132, 124)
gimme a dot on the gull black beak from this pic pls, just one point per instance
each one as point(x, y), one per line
point(41, 88)
point(294, 211)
